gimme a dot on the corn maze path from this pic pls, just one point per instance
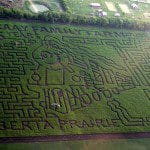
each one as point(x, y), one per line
point(99, 77)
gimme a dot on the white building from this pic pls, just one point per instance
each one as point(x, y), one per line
point(102, 14)
point(134, 6)
point(117, 14)
point(95, 5)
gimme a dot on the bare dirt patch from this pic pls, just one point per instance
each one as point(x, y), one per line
point(146, 15)
point(75, 137)
point(124, 8)
point(111, 6)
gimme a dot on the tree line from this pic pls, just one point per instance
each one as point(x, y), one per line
point(65, 17)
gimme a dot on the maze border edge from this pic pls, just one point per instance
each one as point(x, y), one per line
point(54, 138)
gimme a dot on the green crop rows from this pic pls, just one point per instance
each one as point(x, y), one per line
point(99, 77)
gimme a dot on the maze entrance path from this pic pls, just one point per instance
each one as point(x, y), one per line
point(99, 77)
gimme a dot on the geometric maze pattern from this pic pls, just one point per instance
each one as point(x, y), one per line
point(40, 67)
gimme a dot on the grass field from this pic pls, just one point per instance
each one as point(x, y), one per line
point(83, 7)
point(37, 6)
point(99, 77)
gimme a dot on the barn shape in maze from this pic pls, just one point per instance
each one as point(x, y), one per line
point(99, 77)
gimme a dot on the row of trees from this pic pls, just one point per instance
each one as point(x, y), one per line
point(75, 19)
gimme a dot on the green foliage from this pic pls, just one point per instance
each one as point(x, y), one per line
point(97, 75)
point(54, 17)
point(64, 5)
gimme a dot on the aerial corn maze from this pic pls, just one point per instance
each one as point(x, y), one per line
point(61, 81)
